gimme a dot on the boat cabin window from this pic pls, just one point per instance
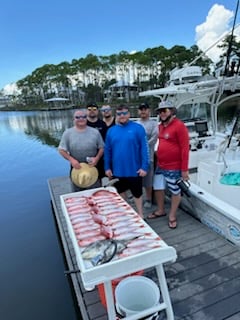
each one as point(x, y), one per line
point(201, 128)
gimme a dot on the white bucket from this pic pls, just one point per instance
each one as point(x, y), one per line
point(135, 294)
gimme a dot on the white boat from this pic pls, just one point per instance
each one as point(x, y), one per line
point(214, 153)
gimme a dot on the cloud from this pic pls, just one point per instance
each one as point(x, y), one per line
point(10, 89)
point(217, 25)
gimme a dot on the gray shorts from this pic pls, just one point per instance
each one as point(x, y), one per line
point(163, 179)
point(148, 179)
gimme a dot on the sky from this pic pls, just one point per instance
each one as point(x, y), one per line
point(35, 33)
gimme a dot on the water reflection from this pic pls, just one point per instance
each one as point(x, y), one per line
point(46, 126)
point(33, 284)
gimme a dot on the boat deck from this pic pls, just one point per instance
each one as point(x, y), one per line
point(204, 282)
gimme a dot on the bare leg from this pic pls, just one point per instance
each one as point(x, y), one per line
point(148, 193)
point(138, 203)
point(160, 196)
point(175, 201)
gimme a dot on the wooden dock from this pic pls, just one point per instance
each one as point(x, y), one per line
point(204, 282)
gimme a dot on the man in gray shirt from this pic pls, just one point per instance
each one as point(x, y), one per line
point(81, 142)
point(151, 128)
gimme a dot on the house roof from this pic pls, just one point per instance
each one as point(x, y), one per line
point(122, 83)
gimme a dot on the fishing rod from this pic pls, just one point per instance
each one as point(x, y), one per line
point(230, 42)
point(233, 128)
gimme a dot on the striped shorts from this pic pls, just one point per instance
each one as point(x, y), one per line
point(166, 179)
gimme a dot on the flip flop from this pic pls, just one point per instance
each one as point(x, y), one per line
point(154, 215)
point(172, 224)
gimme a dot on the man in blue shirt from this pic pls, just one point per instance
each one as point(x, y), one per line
point(126, 155)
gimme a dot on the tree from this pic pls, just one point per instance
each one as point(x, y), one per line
point(148, 69)
point(231, 48)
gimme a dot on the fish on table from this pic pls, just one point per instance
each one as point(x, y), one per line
point(103, 251)
point(105, 226)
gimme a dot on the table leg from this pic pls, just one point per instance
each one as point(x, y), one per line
point(110, 301)
point(164, 291)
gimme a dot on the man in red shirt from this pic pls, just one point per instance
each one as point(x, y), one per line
point(172, 161)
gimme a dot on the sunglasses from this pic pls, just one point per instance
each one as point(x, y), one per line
point(163, 110)
point(122, 113)
point(80, 117)
point(92, 108)
point(106, 110)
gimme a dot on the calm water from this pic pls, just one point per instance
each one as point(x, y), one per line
point(32, 280)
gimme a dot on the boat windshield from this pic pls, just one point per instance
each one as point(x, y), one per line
point(189, 112)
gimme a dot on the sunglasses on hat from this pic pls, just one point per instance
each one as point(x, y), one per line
point(92, 108)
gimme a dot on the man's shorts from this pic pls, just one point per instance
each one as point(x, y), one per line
point(167, 179)
point(148, 179)
point(134, 184)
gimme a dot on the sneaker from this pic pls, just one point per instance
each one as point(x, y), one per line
point(147, 204)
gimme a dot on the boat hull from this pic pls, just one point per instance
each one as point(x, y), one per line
point(216, 214)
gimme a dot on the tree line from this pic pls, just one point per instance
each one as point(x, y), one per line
point(94, 74)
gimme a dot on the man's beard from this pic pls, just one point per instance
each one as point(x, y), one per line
point(92, 116)
point(167, 119)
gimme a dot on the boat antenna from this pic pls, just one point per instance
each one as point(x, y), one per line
point(230, 42)
point(234, 127)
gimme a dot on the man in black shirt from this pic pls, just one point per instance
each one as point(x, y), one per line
point(94, 121)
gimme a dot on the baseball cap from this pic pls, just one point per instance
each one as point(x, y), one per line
point(92, 104)
point(143, 106)
point(165, 104)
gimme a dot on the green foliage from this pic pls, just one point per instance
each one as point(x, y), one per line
point(44, 80)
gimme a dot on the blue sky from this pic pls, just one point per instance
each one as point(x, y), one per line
point(34, 33)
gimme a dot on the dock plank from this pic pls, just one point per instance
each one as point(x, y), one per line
point(204, 282)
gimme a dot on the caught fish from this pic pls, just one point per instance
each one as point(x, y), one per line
point(109, 210)
point(125, 218)
point(150, 243)
point(86, 223)
point(79, 211)
point(107, 231)
point(104, 193)
point(80, 217)
point(135, 250)
point(105, 256)
point(88, 234)
point(90, 201)
point(77, 206)
point(86, 228)
point(88, 241)
point(98, 218)
point(74, 200)
point(126, 229)
point(118, 213)
point(122, 224)
point(104, 251)
point(94, 209)
point(138, 233)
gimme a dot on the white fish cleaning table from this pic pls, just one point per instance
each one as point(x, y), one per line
point(121, 266)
